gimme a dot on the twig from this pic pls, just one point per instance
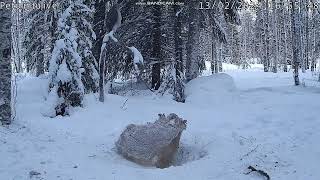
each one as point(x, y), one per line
point(253, 150)
point(261, 172)
point(206, 145)
point(122, 107)
point(244, 138)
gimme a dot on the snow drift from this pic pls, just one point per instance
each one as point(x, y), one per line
point(210, 88)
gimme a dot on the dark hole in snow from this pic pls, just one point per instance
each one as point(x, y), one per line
point(188, 153)
point(158, 144)
point(185, 154)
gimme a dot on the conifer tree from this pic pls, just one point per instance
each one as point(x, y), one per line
point(69, 58)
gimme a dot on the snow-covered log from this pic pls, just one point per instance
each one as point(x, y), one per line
point(153, 144)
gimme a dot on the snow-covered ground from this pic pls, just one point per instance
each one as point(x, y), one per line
point(236, 119)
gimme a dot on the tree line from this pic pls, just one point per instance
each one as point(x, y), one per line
point(84, 45)
point(71, 44)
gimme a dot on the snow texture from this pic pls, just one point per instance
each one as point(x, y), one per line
point(2, 102)
point(63, 74)
point(263, 121)
point(199, 90)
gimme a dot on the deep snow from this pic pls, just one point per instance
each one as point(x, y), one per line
point(236, 119)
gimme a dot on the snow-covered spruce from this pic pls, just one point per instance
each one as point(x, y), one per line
point(37, 41)
point(86, 36)
point(169, 81)
point(66, 65)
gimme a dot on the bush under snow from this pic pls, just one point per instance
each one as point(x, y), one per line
point(210, 88)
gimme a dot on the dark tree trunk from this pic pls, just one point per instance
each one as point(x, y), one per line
point(313, 66)
point(178, 43)
point(5, 66)
point(99, 26)
point(156, 48)
point(40, 64)
point(192, 65)
point(102, 65)
point(307, 48)
point(296, 42)
point(266, 58)
point(214, 56)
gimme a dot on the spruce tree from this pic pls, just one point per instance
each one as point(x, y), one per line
point(35, 40)
point(66, 65)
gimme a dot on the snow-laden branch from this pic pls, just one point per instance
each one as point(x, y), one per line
point(178, 13)
point(137, 56)
point(109, 36)
point(116, 19)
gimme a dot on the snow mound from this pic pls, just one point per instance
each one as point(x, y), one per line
point(210, 88)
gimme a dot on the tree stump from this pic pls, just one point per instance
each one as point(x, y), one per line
point(153, 144)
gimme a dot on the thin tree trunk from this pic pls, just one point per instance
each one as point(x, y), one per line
point(275, 37)
point(102, 65)
point(307, 48)
point(220, 58)
point(178, 43)
point(99, 26)
point(296, 42)
point(156, 49)
point(192, 65)
point(285, 63)
point(40, 63)
point(267, 38)
point(216, 68)
point(314, 41)
point(302, 15)
point(213, 55)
